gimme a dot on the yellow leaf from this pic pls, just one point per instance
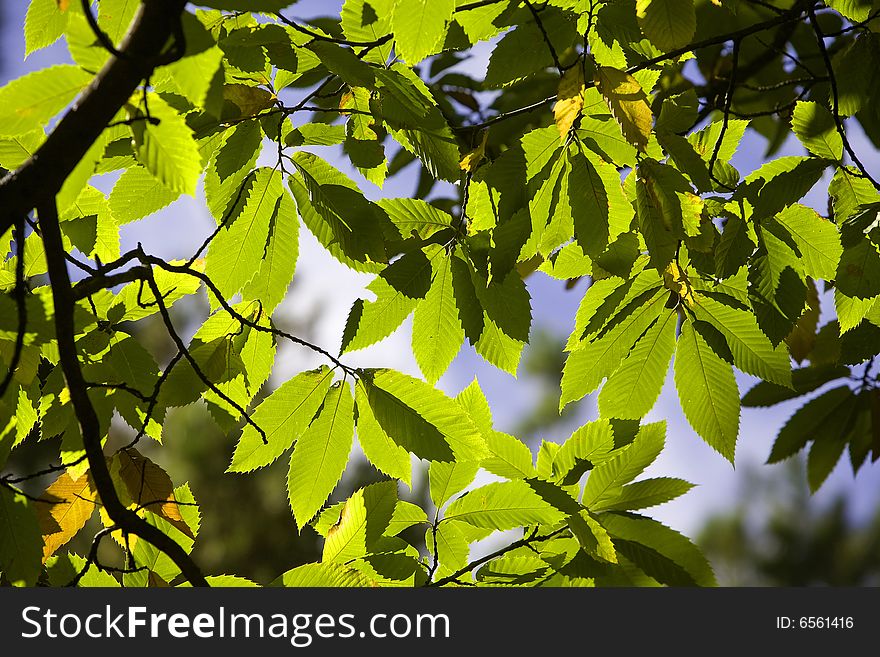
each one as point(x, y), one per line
point(676, 280)
point(470, 161)
point(628, 103)
point(150, 487)
point(117, 535)
point(250, 100)
point(569, 100)
point(68, 504)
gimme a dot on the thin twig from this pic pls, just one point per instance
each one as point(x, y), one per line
point(835, 100)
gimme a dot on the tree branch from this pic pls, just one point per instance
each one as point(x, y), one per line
point(63, 298)
point(835, 100)
point(526, 540)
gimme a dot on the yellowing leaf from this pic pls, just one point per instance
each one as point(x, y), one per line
point(470, 161)
point(150, 487)
point(628, 103)
point(677, 281)
point(250, 100)
point(569, 100)
point(69, 503)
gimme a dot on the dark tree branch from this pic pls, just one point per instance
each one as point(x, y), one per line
point(728, 99)
point(63, 297)
point(316, 36)
point(523, 542)
point(835, 100)
point(546, 37)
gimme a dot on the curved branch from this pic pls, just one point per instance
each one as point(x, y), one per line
point(63, 298)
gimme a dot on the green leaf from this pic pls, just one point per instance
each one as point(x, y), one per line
point(349, 226)
point(523, 53)
point(448, 478)
point(669, 24)
point(589, 206)
point(422, 419)
point(507, 320)
point(417, 123)
point(734, 248)
point(751, 350)
point(323, 575)
point(586, 447)
point(707, 391)
point(803, 380)
point(43, 25)
point(588, 365)
point(632, 390)
point(230, 165)
point(592, 537)
point(858, 272)
point(420, 27)
point(851, 312)
point(705, 140)
point(606, 479)
point(848, 191)
point(437, 333)
point(21, 543)
point(320, 454)
point(475, 404)
point(241, 243)
point(646, 493)
point(168, 150)
point(663, 541)
point(823, 456)
point(315, 134)
point(786, 181)
point(450, 545)
point(278, 265)
point(14, 151)
point(413, 216)
point(138, 194)
point(814, 126)
point(385, 454)
point(511, 458)
point(284, 416)
point(406, 515)
point(344, 63)
point(824, 418)
point(503, 505)
point(30, 101)
point(367, 20)
point(361, 523)
point(816, 238)
point(114, 17)
point(398, 289)
point(855, 10)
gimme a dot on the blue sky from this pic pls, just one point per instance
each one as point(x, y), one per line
point(324, 290)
